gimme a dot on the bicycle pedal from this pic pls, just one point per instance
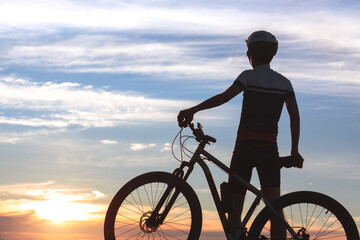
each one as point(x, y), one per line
point(225, 191)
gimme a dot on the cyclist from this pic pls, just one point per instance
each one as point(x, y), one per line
point(265, 92)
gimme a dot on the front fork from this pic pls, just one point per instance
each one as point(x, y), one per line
point(157, 218)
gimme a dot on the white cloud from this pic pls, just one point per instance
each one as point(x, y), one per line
point(184, 60)
point(16, 137)
point(98, 194)
point(108, 54)
point(111, 142)
point(188, 61)
point(141, 146)
point(322, 53)
point(166, 147)
point(33, 122)
point(9, 140)
point(43, 190)
point(66, 104)
point(85, 50)
point(119, 16)
point(318, 56)
point(196, 18)
point(320, 76)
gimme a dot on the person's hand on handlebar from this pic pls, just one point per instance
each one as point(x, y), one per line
point(185, 117)
point(298, 159)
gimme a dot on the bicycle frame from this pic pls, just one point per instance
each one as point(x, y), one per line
point(196, 158)
point(157, 211)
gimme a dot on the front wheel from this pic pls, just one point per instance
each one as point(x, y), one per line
point(128, 212)
point(313, 216)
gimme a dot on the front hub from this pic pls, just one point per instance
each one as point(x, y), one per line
point(303, 234)
point(148, 226)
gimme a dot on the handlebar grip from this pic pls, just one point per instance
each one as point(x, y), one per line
point(211, 139)
point(290, 161)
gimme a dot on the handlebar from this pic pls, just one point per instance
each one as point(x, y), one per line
point(200, 135)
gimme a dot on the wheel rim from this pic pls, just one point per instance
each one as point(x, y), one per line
point(136, 208)
point(310, 222)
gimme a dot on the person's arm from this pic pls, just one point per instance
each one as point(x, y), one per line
point(186, 116)
point(294, 115)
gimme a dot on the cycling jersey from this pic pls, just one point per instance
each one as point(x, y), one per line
point(264, 94)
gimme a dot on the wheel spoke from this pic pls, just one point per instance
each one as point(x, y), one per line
point(129, 211)
point(148, 198)
point(312, 216)
point(321, 229)
point(176, 229)
point(180, 214)
point(179, 220)
point(127, 231)
point(141, 204)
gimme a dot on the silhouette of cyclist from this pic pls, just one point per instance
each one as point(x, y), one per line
point(265, 92)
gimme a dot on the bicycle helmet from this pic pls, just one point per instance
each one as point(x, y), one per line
point(261, 36)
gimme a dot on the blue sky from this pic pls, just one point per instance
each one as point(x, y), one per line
point(90, 91)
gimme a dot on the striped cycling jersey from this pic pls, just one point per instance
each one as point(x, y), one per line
point(264, 94)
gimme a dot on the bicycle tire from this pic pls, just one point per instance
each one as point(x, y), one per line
point(136, 199)
point(310, 207)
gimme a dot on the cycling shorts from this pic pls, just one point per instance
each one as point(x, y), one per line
point(249, 154)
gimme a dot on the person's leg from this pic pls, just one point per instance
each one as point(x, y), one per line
point(269, 176)
point(234, 217)
point(277, 231)
point(240, 165)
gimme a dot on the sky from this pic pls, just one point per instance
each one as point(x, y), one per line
point(90, 91)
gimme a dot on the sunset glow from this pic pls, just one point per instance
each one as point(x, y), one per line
point(61, 207)
point(54, 204)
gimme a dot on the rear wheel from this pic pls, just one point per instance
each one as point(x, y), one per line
point(313, 216)
point(134, 203)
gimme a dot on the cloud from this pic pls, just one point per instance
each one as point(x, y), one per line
point(8, 140)
point(333, 71)
point(206, 43)
point(71, 104)
point(43, 190)
point(33, 211)
point(166, 147)
point(189, 60)
point(108, 142)
point(197, 18)
point(111, 54)
point(122, 16)
point(47, 198)
point(16, 137)
point(321, 77)
point(141, 146)
point(98, 194)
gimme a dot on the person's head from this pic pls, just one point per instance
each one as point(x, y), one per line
point(262, 47)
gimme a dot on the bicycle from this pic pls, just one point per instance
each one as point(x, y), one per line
point(161, 205)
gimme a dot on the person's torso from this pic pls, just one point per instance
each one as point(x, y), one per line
point(264, 94)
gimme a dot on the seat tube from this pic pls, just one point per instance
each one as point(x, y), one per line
point(215, 196)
